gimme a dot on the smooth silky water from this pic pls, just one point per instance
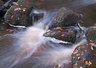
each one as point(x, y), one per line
point(30, 49)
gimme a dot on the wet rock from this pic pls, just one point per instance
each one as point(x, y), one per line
point(91, 37)
point(65, 17)
point(61, 33)
point(83, 56)
point(91, 34)
point(18, 14)
point(6, 4)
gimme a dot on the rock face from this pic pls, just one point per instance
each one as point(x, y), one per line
point(65, 17)
point(84, 56)
point(18, 14)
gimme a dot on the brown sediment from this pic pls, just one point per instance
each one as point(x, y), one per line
point(89, 13)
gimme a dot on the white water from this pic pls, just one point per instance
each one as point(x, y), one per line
point(33, 50)
point(31, 45)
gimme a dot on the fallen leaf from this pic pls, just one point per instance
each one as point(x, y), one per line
point(59, 28)
point(57, 65)
point(81, 67)
point(15, 3)
point(83, 44)
point(76, 63)
point(94, 24)
point(88, 63)
point(17, 9)
point(24, 9)
point(12, 17)
point(79, 58)
point(75, 51)
point(91, 43)
point(59, 31)
point(62, 35)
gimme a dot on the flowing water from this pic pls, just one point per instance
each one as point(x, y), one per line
point(33, 48)
point(28, 48)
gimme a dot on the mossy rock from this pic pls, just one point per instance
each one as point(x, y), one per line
point(91, 34)
point(65, 17)
point(83, 56)
point(18, 14)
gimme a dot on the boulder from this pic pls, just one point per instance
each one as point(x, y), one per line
point(83, 56)
point(64, 34)
point(91, 34)
point(65, 17)
point(4, 6)
point(19, 13)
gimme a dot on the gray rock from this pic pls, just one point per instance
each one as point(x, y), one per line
point(65, 17)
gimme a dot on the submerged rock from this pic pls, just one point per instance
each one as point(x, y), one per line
point(65, 17)
point(18, 14)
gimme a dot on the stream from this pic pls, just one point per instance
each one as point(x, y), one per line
point(22, 47)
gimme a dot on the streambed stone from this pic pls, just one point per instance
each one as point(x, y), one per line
point(64, 34)
point(18, 14)
point(84, 56)
point(64, 18)
point(91, 34)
